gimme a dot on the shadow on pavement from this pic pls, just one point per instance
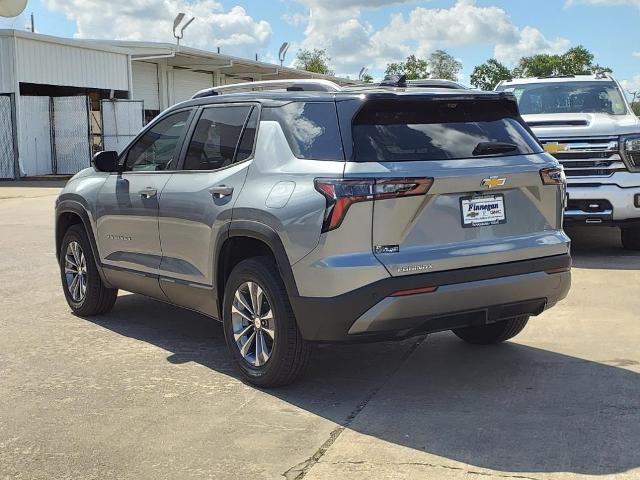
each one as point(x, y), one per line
point(600, 247)
point(510, 407)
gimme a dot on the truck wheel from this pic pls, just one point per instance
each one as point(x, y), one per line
point(260, 327)
point(493, 332)
point(630, 238)
point(81, 282)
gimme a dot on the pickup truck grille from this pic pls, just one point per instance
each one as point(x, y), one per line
point(587, 157)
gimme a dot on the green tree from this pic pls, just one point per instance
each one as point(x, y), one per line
point(575, 61)
point(414, 68)
point(443, 65)
point(636, 108)
point(540, 65)
point(316, 61)
point(487, 75)
point(366, 78)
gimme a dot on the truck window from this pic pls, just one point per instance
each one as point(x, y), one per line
point(568, 97)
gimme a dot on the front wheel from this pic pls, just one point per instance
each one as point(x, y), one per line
point(494, 332)
point(630, 237)
point(260, 327)
point(81, 282)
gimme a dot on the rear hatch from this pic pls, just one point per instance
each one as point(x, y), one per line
point(457, 182)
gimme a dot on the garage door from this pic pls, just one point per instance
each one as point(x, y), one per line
point(186, 83)
point(145, 84)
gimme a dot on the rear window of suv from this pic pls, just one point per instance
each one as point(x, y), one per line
point(397, 131)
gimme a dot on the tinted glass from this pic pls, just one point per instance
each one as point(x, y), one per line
point(245, 148)
point(215, 138)
point(415, 131)
point(310, 128)
point(157, 148)
point(568, 97)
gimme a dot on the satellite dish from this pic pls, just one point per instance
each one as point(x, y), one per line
point(12, 8)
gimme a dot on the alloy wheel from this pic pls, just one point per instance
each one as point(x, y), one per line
point(253, 324)
point(75, 271)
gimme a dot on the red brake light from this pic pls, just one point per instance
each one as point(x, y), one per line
point(340, 194)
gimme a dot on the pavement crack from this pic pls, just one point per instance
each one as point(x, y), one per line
point(297, 472)
point(445, 467)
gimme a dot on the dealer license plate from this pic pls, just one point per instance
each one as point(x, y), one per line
point(483, 210)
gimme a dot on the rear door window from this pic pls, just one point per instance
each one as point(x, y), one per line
point(311, 129)
point(216, 138)
point(397, 131)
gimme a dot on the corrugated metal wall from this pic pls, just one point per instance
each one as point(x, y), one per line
point(186, 83)
point(58, 64)
point(7, 78)
point(145, 84)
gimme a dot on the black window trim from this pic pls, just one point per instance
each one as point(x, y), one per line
point(123, 156)
point(192, 128)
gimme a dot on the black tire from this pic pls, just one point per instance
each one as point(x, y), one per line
point(98, 299)
point(630, 237)
point(492, 333)
point(290, 352)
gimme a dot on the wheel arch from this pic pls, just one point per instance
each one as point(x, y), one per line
point(68, 213)
point(246, 239)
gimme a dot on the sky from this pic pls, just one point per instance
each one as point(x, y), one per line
point(364, 33)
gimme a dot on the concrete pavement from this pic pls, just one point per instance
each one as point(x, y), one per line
point(148, 391)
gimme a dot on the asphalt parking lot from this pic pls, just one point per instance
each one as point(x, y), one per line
point(148, 391)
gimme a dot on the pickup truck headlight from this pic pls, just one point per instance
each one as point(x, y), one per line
point(630, 150)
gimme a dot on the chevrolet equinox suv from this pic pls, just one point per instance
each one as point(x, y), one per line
point(312, 213)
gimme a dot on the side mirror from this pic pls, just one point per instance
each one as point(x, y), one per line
point(106, 161)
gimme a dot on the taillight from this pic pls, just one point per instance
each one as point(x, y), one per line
point(553, 176)
point(340, 194)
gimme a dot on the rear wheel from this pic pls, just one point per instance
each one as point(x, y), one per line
point(81, 282)
point(630, 238)
point(493, 332)
point(260, 327)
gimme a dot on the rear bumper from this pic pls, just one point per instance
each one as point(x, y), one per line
point(464, 297)
point(602, 205)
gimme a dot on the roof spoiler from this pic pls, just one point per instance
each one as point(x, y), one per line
point(290, 85)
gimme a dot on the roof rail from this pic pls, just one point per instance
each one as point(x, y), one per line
point(291, 85)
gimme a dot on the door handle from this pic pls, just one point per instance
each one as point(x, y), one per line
point(221, 191)
point(148, 192)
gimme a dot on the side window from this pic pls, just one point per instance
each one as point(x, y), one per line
point(245, 147)
point(216, 137)
point(157, 148)
point(311, 129)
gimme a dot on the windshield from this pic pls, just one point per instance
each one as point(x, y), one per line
point(568, 97)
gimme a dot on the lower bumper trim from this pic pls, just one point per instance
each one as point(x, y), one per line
point(330, 318)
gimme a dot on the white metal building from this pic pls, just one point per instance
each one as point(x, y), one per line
point(63, 99)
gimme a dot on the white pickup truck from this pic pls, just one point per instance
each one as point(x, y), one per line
point(586, 122)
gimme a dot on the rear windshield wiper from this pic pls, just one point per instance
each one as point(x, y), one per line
point(492, 148)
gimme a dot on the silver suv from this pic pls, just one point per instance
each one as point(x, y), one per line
point(312, 213)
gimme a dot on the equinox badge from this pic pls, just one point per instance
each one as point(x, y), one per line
point(493, 182)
